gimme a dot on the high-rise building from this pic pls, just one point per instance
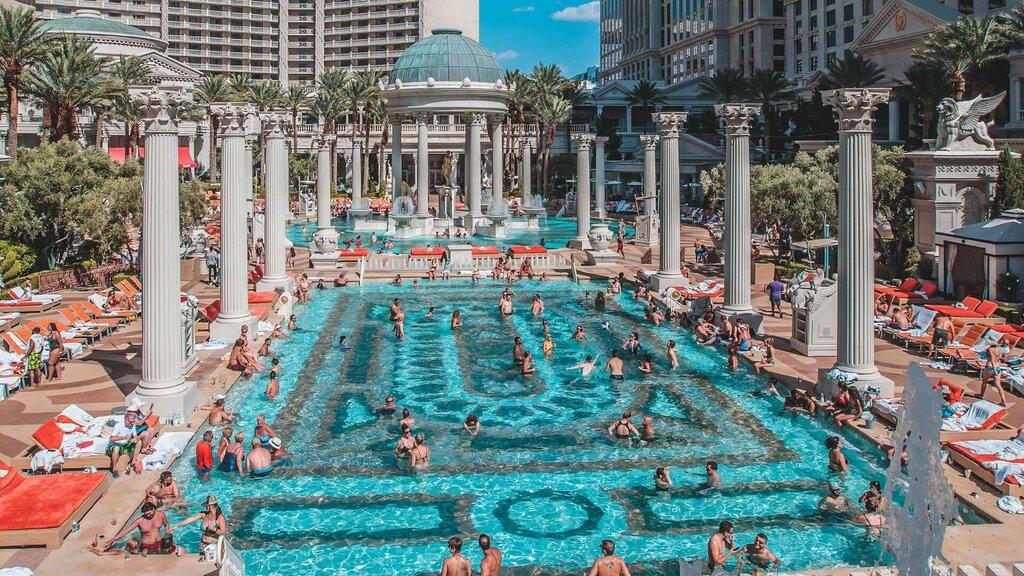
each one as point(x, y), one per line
point(285, 40)
point(676, 40)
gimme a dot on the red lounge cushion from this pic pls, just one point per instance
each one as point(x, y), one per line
point(529, 250)
point(970, 302)
point(956, 392)
point(485, 251)
point(929, 289)
point(986, 308)
point(953, 311)
point(993, 419)
point(49, 435)
point(10, 480)
point(427, 251)
point(46, 501)
point(262, 297)
point(22, 303)
point(909, 285)
point(354, 251)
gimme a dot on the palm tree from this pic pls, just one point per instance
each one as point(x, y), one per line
point(241, 87)
point(377, 112)
point(964, 48)
point(22, 44)
point(68, 80)
point(726, 85)
point(265, 95)
point(212, 90)
point(131, 114)
point(768, 87)
point(296, 98)
point(551, 111)
point(333, 79)
point(854, 71)
point(645, 95)
point(1013, 28)
point(124, 73)
point(924, 84)
point(372, 79)
point(546, 83)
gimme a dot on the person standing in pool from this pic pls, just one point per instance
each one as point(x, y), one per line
point(538, 305)
point(527, 364)
point(405, 444)
point(234, 456)
point(517, 350)
point(388, 407)
point(623, 428)
point(456, 320)
point(456, 564)
point(407, 419)
point(400, 324)
point(720, 547)
point(274, 385)
point(614, 366)
point(586, 367)
point(758, 554)
point(836, 459)
point(608, 564)
point(491, 563)
point(258, 460)
point(673, 357)
point(662, 480)
point(711, 471)
point(419, 456)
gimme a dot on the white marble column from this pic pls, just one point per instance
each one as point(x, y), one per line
point(473, 160)
point(526, 175)
point(669, 271)
point(629, 119)
point(894, 121)
point(856, 266)
point(250, 196)
point(162, 382)
point(422, 166)
point(738, 118)
point(396, 157)
point(236, 182)
point(357, 174)
point(276, 204)
point(497, 158)
point(599, 176)
point(325, 239)
point(583, 144)
point(647, 223)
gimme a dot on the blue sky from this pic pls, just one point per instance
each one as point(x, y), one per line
point(522, 33)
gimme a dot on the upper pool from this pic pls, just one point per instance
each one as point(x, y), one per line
point(542, 478)
point(554, 233)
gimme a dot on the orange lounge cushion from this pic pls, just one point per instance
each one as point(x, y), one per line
point(909, 285)
point(986, 308)
point(262, 297)
point(49, 435)
point(485, 251)
point(354, 251)
point(953, 311)
point(22, 303)
point(46, 501)
point(427, 251)
point(929, 289)
point(529, 250)
point(982, 458)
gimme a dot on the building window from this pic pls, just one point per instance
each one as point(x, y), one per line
point(830, 18)
point(778, 33)
point(777, 9)
point(847, 12)
point(996, 4)
point(848, 34)
point(798, 7)
point(814, 62)
point(831, 58)
point(966, 7)
point(867, 7)
point(739, 10)
point(813, 43)
point(813, 6)
point(813, 23)
point(779, 49)
point(799, 66)
point(830, 39)
point(799, 27)
point(798, 46)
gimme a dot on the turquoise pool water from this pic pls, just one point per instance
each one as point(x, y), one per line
point(554, 232)
point(542, 478)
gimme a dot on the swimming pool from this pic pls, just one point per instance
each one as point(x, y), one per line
point(542, 478)
point(554, 232)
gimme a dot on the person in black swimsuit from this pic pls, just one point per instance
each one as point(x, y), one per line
point(623, 428)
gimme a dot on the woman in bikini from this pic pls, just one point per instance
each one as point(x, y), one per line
point(456, 320)
point(872, 520)
point(213, 522)
point(527, 364)
point(56, 342)
point(769, 355)
point(836, 459)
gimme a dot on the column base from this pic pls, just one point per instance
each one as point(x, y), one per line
point(866, 378)
point(180, 400)
point(660, 281)
point(231, 328)
point(323, 261)
point(604, 257)
point(271, 284)
point(580, 243)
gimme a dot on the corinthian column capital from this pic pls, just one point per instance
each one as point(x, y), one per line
point(854, 106)
point(671, 123)
point(233, 117)
point(584, 141)
point(650, 141)
point(273, 124)
point(161, 108)
point(738, 117)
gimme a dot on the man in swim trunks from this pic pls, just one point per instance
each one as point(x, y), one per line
point(150, 525)
point(647, 425)
point(623, 428)
point(491, 563)
point(218, 415)
point(388, 407)
point(586, 367)
point(609, 564)
point(456, 564)
point(720, 547)
point(259, 460)
point(614, 366)
point(758, 554)
point(204, 456)
point(405, 444)
point(122, 440)
point(163, 491)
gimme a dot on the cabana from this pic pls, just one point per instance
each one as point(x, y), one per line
point(971, 258)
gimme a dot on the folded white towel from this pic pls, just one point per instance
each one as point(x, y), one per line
point(166, 447)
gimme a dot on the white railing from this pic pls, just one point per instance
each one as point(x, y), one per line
point(399, 263)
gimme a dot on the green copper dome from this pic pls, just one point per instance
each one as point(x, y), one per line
point(91, 24)
point(447, 56)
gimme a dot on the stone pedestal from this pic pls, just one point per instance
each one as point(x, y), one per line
point(856, 338)
point(738, 119)
point(669, 271)
point(582, 239)
point(951, 189)
point(163, 382)
point(236, 165)
point(600, 253)
point(815, 318)
point(276, 203)
point(460, 255)
point(422, 168)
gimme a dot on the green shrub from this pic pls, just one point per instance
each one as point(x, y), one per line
point(18, 260)
point(1008, 287)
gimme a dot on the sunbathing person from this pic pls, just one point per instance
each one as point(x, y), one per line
point(768, 359)
point(122, 441)
point(799, 402)
point(992, 373)
point(247, 349)
point(849, 412)
point(151, 525)
point(238, 361)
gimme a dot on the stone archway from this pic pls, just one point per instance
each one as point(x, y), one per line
point(974, 206)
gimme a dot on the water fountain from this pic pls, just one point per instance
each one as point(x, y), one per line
point(498, 215)
point(533, 207)
point(403, 212)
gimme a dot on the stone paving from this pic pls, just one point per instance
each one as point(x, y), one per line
point(101, 379)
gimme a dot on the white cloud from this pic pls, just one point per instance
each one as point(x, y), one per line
point(524, 9)
point(587, 12)
point(506, 55)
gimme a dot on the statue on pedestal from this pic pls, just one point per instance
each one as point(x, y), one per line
point(960, 121)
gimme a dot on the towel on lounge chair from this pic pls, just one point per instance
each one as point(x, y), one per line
point(18, 293)
point(166, 447)
point(1002, 470)
point(982, 415)
point(1010, 505)
point(46, 459)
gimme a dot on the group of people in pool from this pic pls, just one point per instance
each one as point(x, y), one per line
point(266, 448)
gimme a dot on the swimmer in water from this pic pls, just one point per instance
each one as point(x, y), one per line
point(586, 367)
point(713, 480)
point(578, 334)
point(673, 357)
point(538, 305)
point(645, 364)
point(548, 345)
point(456, 320)
point(623, 428)
point(517, 350)
point(614, 366)
point(429, 314)
point(527, 364)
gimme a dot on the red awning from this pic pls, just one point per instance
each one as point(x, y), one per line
point(184, 157)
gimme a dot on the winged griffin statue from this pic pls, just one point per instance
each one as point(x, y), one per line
point(960, 121)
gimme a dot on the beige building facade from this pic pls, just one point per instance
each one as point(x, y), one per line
point(284, 40)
